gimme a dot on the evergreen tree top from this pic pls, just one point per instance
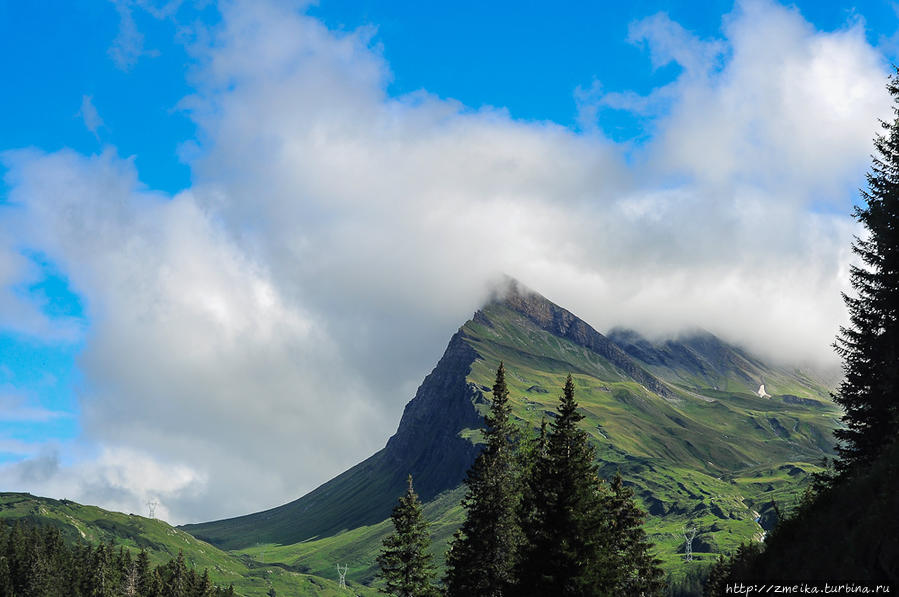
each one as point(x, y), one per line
point(481, 556)
point(567, 405)
point(405, 562)
point(497, 420)
point(869, 345)
point(499, 386)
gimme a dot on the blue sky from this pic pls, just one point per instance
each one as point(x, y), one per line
point(177, 150)
point(527, 57)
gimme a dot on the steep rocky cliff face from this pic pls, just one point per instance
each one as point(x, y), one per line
point(427, 445)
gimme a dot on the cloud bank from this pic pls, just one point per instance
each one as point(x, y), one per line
point(261, 331)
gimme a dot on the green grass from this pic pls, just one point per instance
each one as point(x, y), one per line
point(359, 547)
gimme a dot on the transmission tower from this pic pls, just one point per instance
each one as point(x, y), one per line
point(342, 574)
point(151, 508)
point(689, 534)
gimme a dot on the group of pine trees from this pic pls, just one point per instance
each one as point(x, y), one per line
point(38, 562)
point(539, 520)
point(851, 511)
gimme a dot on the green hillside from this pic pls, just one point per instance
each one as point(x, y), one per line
point(681, 420)
point(163, 542)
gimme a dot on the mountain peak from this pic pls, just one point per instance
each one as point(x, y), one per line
point(548, 316)
point(507, 288)
point(511, 293)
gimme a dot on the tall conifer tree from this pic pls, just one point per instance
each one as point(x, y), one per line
point(5, 578)
point(530, 506)
point(633, 569)
point(869, 345)
point(563, 551)
point(145, 584)
point(405, 559)
point(482, 556)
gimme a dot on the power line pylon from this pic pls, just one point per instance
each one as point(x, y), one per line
point(689, 534)
point(342, 574)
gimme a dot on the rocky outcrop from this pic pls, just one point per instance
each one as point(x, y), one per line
point(427, 443)
point(791, 399)
point(563, 323)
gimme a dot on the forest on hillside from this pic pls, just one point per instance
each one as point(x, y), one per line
point(38, 562)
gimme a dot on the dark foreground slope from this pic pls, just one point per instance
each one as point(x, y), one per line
point(704, 454)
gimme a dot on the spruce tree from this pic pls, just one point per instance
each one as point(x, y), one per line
point(130, 576)
point(16, 546)
point(869, 345)
point(204, 585)
point(83, 565)
point(531, 455)
point(564, 533)
point(146, 587)
point(177, 577)
point(481, 558)
point(38, 577)
point(405, 558)
point(6, 587)
point(102, 582)
point(633, 570)
point(160, 586)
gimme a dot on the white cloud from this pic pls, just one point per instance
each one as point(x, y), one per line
point(20, 310)
point(120, 479)
point(791, 111)
point(18, 447)
point(264, 329)
point(128, 45)
point(192, 348)
point(669, 42)
point(164, 9)
point(89, 115)
point(16, 408)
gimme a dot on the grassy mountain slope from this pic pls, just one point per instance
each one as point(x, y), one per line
point(699, 446)
point(163, 542)
point(359, 547)
point(696, 456)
